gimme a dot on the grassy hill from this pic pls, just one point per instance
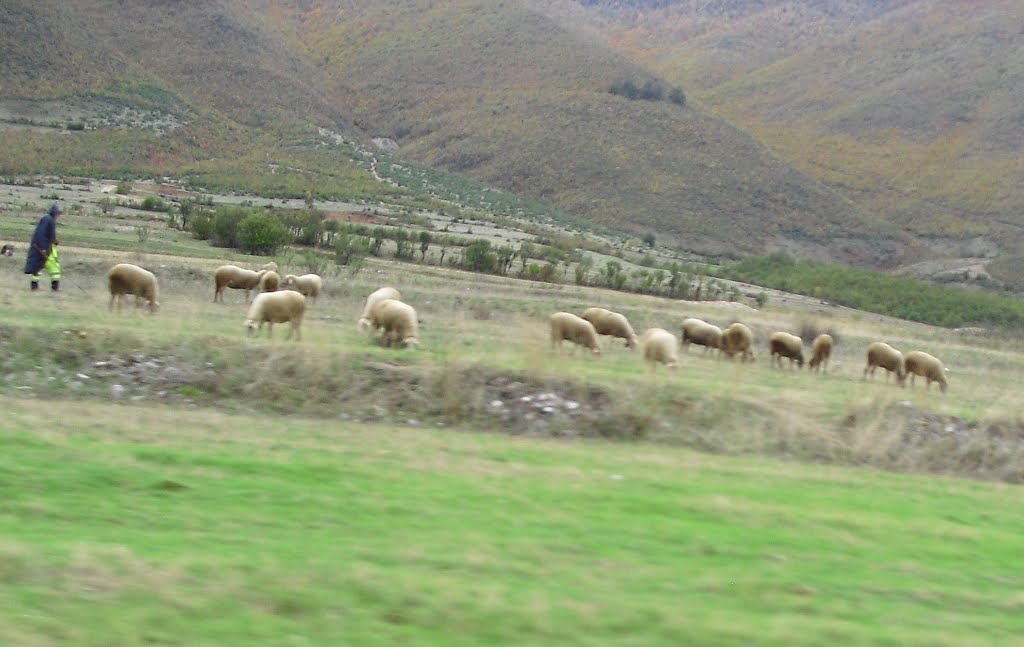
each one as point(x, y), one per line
point(498, 92)
point(169, 481)
point(911, 109)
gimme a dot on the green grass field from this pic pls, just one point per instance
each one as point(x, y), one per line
point(245, 491)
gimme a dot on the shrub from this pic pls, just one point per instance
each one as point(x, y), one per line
point(479, 257)
point(259, 233)
point(350, 249)
point(153, 203)
point(202, 226)
point(225, 225)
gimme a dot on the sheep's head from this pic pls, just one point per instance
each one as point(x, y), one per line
point(364, 325)
point(632, 342)
point(410, 342)
point(250, 326)
point(154, 306)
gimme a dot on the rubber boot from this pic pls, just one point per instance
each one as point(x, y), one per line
point(34, 285)
point(55, 286)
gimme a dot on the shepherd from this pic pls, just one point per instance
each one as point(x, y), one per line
point(42, 251)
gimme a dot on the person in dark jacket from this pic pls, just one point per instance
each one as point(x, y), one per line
point(42, 251)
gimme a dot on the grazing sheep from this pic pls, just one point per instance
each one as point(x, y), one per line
point(270, 281)
point(883, 355)
point(565, 325)
point(399, 322)
point(270, 267)
point(276, 307)
point(700, 332)
point(236, 278)
point(309, 285)
point(365, 325)
point(783, 344)
point(821, 351)
point(125, 278)
point(738, 339)
point(928, 367)
point(659, 345)
point(610, 323)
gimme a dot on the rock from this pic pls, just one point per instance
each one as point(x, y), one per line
point(116, 391)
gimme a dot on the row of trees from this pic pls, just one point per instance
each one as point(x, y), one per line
point(880, 292)
point(257, 231)
point(649, 90)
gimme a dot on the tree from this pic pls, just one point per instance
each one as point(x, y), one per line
point(479, 257)
point(650, 239)
point(583, 268)
point(403, 244)
point(259, 233)
point(377, 237)
point(677, 97)
point(425, 240)
point(226, 220)
point(350, 249)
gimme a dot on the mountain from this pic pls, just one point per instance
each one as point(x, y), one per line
point(911, 109)
point(504, 92)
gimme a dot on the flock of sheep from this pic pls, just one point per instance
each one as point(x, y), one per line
point(284, 301)
point(659, 346)
point(279, 300)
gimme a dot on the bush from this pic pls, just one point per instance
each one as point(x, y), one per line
point(479, 257)
point(259, 233)
point(202, 226)
point(350, 249)
point(153, 203)
point(225, 225)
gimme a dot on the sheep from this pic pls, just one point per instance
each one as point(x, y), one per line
point(659, 345)
point(883, 355)
point(270, 281)
point(276, 307)
point(270, 267)
point(125, 278)
point(399, 322)
point(565, 325)
point(919, 363)
point(365, 325)
point(821, 351)
point(700, 332)
point(737, 339)
point(309, 285)
point(231, 276)
point(610, 323)
point(783, 344)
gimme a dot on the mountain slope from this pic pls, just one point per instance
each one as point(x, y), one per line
point(506, 94)
point(498, 91)
point(912, 109)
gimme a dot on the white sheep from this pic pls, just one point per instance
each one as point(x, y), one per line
point(399, 322)
point(236, 278)
point(270, 267)
point(738, 339)
point(698, 331)
point(309, 285)
point(276, 307)
point(783, 344)
point(610, 323)
point(567, 326)
point(885, 356)
point(270, 281)
point(659, 345)
point(929, 367)
point(821, 351)
point(365, 325)
point(125, 278)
